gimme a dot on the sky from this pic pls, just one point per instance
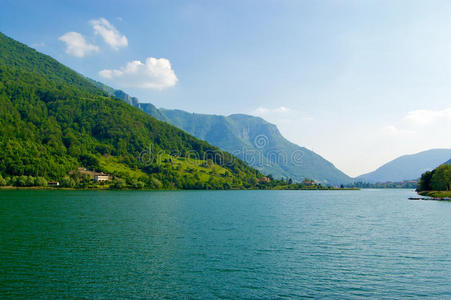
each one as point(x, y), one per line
point(358, 82)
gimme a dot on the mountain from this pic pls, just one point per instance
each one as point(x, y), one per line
point(249, 138)
point(260, 144)
point(407, 167)
point(54, 121)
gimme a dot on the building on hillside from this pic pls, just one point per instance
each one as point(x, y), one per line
point(53, 183)
point(308, 182)
point(101, 177)
point(264, 179)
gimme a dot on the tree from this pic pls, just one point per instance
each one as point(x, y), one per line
point(441, 179)
point(424, 184)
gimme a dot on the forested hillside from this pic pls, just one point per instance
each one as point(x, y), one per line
point(53, 120)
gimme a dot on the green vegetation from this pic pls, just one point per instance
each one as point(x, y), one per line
point(53, 120)
point(438, 179)
point(23, 181)
point(288, 184)
point(436, 194)
point(406, 184)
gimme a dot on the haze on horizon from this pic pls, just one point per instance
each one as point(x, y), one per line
point(358, 82)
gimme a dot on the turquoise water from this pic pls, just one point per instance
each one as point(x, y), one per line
point(231, 244)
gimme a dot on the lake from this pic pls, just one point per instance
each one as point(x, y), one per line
point(223, 244)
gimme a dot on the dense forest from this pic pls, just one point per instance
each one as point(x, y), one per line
point(54, 121)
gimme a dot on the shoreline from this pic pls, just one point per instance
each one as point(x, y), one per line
point(47, 188)
point(436, 195)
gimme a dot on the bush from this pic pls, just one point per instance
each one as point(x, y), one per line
point(12, 180)
point(40, 181)
point(68, 182)
point(29, 181)
point(2, 181)
point(155, 183)
point(21, 181)
point(139, 185)
point(119, 183)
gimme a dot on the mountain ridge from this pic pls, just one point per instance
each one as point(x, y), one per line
point(407, 167)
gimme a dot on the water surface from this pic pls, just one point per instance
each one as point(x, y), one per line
point(232, 244)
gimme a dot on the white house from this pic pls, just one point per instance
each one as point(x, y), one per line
point(101, 177)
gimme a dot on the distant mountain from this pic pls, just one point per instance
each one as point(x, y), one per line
point(53, 121)
point(251, 139)
point(407, 167)
point(448, 162)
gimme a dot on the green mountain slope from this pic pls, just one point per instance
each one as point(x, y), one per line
point(407, 167)
point(251, 139)
point(53, 120)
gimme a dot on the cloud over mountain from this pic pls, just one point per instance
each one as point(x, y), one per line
point(154, 73)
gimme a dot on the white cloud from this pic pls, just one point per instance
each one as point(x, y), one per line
point(76, 44)
point(109, 33)
point(418, 121)
point(261, 111)
point(425, 117)
point(154, 73)
point(395, 131)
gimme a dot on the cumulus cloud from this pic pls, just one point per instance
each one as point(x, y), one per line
point(426, 117)
point(109, 33)
point(76, 44)
point(154, 73)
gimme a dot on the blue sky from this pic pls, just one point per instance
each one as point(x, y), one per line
point(359, 82)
